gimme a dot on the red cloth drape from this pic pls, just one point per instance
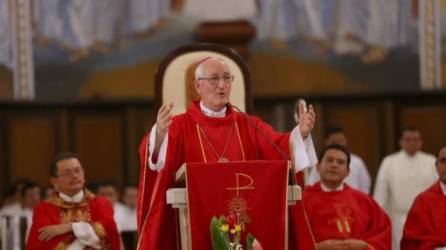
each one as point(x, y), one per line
point(425, 226)
point(260, 202)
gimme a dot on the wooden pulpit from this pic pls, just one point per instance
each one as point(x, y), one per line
point(260, 188)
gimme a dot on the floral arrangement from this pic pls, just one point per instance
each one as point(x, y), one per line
point(225, 234)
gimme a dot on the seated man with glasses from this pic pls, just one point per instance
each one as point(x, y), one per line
point(211, 130)
point(72, 217)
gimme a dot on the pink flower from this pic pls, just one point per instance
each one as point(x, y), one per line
point(256, 245)
point(232, 220)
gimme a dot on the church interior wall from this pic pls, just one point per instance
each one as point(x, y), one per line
point(100, 105)
point(106, 134)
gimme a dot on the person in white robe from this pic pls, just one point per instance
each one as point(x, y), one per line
point(105, 25)
point(215, 10)
point(78, 28)
point(382, 29)
point(318, 21)
point(359, 176)
point(48, 20)
point(128, 213)
point(145, 14)
point(350, 30)
point(283, 20)
point(265, 23)
point(6, 35)
point(14, 213)
point(110, 192)
point(407, 25)
point(401, 177)
point(443, 29)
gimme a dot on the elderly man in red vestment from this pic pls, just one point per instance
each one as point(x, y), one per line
point(211, 131)
point(342, 217)
point(72, 218)
point(425, 227)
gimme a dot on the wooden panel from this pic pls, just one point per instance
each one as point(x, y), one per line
point(280, 115)
point(266, 112)
point(99, 141)
point(4, 170)
point(32, 145)
point(140, 121)
point(431, 121)
point(362, 128)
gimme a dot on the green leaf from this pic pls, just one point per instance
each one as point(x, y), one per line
point(220, 239)
point(249, 241)
point(222, 219)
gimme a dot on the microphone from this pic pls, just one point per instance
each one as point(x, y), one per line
point(271, 142)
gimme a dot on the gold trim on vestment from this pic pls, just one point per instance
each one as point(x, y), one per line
point(202, 146)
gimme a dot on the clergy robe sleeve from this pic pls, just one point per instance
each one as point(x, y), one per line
point(85, 233)
point(378, 233)
point(45, 215)
point(104, 224)
point(156, 162)
point(303, 150)
point(419, 233)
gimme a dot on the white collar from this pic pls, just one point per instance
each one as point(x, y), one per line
point(211, 113)
point(409, 156)
point(443, 188)
point(327, 189)
point(76, 198)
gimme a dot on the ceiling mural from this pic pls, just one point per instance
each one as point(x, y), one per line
point(106, 49)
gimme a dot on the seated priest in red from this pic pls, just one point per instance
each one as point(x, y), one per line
point(342, 217)
point(425, 226)
point(72, 217)
point(211, 130)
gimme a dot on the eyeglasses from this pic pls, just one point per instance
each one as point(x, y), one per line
point(69, 173)
point(215, 80)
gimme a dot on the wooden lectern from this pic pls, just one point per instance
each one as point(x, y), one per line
point(178, 197)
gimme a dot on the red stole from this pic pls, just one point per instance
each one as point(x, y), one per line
point(157, 219)
point(425, 226)
point(347, 214)
point(95, 210)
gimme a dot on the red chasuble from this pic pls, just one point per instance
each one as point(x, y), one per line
point(194, 137)
point(95, 210)
point(425, 226)
point(347, 214)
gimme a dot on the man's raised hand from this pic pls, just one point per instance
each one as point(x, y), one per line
point(163, 119)
point(307, 118)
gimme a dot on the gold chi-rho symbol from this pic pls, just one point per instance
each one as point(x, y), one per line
point(242, 182)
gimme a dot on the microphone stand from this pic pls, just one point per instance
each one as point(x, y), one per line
point(292, 171)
